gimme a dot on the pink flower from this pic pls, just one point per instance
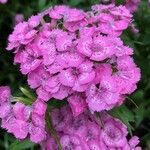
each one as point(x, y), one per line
point(48, 52)
point(103, 97)
point(28, 63)
point(127, 75)
point(63, 42)
point(34, 21)
point(58, 12)
point(5, 109)
point(22, 34)
point(74, 77)
point(77, 103)
point(62, 93)
point(38, 77)
point(39, 107)
point(61, 118)
point(73, 18)
point(110, 19)
point(74, 15)
point(21, 111)
point(43, 94)
point(111, 26)
point(134, 141)
point(37, 134)
point(5, 94)
point(20, 129)
point(114, 134)
point(96, 49)
point(102, 70)
point(38, 121)
point(71, 142)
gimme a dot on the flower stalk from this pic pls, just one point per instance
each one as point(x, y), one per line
point(51, 129)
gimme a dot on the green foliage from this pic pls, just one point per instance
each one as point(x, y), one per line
point(125, 115)
point(17, 145)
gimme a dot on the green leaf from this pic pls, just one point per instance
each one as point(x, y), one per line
point(75, 2)
point(138, 95)
point(139, 115)
point(125, 115)
point(24, 100)
point(119, 2)
point(27, 93)
point(21, 145)
point(41, 4)
point(57, 103)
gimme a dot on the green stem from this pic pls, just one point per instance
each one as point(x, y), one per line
point(27, 93)
point(52, 130)
point(22, 99)
point(133, 102)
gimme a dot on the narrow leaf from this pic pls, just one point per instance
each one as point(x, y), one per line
point(21, 145)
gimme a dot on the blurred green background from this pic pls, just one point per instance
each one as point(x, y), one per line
point(10, 75)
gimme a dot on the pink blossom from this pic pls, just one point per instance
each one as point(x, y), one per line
point(21, 111)
point(113, 134)
point(96, 49)
point(39, 107)
point(37, 134)
point(73, 51)
point(79, 57)
point(28, 63)
point(134, 141)
point(22, 34)
point(73, 76)
point(77, 103)
point(34, 21)
point(5, 110)
point(71, 142)
point(37, 77)
point(84, 132)
point(103, 97)
point(20, 129)
point(43, 94)
point(4, 94)
point(58, 12)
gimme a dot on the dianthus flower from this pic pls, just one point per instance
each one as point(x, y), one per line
point(22, 120)
point(68, 53)
point(84, 132)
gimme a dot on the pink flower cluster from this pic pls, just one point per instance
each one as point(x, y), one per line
point(68, 53)
point(76, 133)
point(84, 132)
point(22, 120)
